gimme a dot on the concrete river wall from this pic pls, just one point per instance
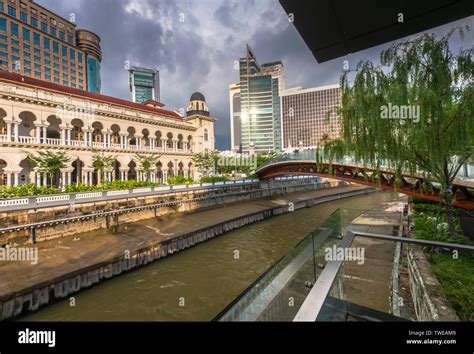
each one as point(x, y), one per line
point(22, 223)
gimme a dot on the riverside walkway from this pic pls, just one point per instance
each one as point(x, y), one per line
point(369, 284)
point(74, 255)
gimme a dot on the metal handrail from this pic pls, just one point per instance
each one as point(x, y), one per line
point(313, 303)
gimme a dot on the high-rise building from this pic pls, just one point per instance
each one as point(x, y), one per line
point(235, 123)
point(260, 88)
point(309, 116)
point(38, 43)
point(144, 84)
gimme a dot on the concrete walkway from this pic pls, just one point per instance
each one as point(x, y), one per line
point(71, 254)
point(369, 284)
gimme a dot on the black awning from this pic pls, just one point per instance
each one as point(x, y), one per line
point(334, 28)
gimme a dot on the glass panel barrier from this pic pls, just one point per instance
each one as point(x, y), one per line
point(278, 293)
point(362, 276)
point(420, 283)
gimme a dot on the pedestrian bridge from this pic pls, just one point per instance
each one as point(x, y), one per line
point(304, 163)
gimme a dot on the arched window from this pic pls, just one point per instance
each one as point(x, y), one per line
point(77, 133)
point(206, 135)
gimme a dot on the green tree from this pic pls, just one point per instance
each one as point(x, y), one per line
point(49, 162)
point(147, 163)
point(102, 163)
point(436, 85)
point(264, 158)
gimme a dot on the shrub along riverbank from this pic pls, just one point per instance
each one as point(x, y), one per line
point(454, 270)
point(30, 189)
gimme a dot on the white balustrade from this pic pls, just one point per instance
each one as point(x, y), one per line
point(179, 186)
point(59, 142)
point(163, 188)
point(10, 202)
point(25, 139)
point(52, 198)
point(77, 143)
point(51, 141)
point(98, 144)
point(142, 190)
point(89, 195)
point(121, 192)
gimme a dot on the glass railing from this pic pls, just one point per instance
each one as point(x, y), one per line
point(340, 272)
point(422, 283)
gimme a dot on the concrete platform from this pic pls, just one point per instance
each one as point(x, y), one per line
point(369, 284)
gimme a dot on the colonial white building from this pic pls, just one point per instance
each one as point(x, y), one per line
point(37, 114)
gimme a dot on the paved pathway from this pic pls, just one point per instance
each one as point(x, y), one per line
point(369, 284)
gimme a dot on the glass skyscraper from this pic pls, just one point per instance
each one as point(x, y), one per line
point(260, 88)
point(144, 84)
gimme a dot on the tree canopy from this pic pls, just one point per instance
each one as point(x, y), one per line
point(414, 112)
point(49, 162)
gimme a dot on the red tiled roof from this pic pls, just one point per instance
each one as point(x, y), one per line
point(53, 87)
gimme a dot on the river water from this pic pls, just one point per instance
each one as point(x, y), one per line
point(196, 284)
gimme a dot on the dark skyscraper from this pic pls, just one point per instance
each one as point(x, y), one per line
point(260, 88)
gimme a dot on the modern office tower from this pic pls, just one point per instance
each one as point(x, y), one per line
point(309, 116)
point(260, 88)
point(38, 43)
point(235, 123)
point(144, 84)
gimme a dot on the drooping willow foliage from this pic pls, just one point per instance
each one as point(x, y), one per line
point(421, 72)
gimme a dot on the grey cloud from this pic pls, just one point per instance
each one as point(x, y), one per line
point(190, 62)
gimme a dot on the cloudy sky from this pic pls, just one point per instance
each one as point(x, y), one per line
point(194, 45)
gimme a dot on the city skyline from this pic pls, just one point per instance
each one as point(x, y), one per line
point(178, 38)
